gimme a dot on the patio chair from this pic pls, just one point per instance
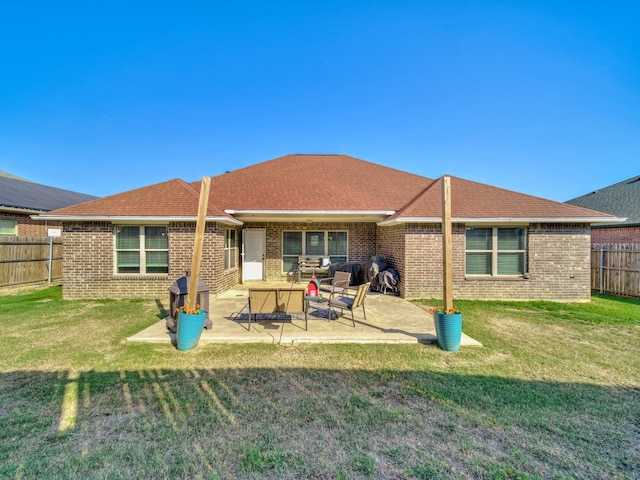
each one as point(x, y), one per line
point(350, 303)
point(336, 284)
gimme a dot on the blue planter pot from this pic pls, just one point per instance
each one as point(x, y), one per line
point(190, 327)
point(449, 330)
point(436, 322)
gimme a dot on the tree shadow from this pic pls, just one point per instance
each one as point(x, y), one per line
point(303, 422)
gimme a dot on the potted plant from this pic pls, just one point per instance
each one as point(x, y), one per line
point(190, 325)
point(448, 327)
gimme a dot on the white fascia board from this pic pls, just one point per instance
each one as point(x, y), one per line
point(133, 219)
point(20, 210)
point(502, 220)
point(310, 212)
point(310, 216)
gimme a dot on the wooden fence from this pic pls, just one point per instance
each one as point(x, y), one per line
point(615, 269)
point(25, 260)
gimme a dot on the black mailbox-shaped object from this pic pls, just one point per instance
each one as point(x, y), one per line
point(177, 298)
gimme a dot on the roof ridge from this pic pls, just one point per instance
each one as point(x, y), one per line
point(14, 177)
point(416, 197)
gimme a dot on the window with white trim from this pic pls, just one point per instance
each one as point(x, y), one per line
point(230, 249)
point(142, 249)
point(331, 244)
point(496, 251)
point(8, 227)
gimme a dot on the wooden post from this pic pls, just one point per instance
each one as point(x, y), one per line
point(201, 222)
point(447, 252)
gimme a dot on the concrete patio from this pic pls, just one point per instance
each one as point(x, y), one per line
point(390, 319)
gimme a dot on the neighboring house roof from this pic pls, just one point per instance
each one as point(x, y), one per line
point(621, 199)
point(327, 188)
point(24, 196)
point(11, 175)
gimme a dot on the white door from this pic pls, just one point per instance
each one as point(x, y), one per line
point(254, 246)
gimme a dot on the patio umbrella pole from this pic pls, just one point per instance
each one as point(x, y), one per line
point(447, 254)
point(201, 221)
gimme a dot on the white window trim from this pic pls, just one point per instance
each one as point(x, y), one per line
point(233, 250)
point(141, 250)
point(494, 253)
point(304, 242)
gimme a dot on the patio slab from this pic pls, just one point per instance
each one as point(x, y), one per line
point(390, 319)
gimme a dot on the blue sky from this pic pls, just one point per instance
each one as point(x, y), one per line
point(539, 97)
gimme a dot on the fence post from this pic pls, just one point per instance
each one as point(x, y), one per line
point(50, 262)
point(602, 268)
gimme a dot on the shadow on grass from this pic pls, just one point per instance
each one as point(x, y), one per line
point(301, 423)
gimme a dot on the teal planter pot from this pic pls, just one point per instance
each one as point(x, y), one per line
point(190, 327)
point(449, 330)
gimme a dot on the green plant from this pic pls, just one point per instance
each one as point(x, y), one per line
point(449, 311)
point(189, 311)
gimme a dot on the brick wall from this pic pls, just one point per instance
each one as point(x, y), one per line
point(559, 264)
point(361, 242)
point(559, 260)
point(88, 265)
point(629, 234)
point(391, 245)
point(28, 227)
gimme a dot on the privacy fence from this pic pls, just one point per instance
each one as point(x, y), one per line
point(615, 269)
point(25, 260)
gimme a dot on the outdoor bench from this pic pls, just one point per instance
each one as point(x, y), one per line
point(313, 265)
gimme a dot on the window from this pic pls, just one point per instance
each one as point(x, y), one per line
point(496, 251)
point(142, 250)
point(230, 249)
point(8, 227)
point(317, 243)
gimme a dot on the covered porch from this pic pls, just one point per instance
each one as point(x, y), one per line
point(390, 319)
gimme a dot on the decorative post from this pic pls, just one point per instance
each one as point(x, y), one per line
point(201, 221)
point(447, 253)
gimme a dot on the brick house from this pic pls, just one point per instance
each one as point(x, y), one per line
point(506, 245)
point(621, 199)
point(21, 198)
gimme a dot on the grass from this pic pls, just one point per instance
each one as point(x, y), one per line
point(554, 393)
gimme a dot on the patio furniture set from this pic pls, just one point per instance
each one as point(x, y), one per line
point(283, 300)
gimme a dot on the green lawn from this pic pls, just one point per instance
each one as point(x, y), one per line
point(554, 393)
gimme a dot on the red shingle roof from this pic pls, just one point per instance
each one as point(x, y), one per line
point(327, 183)
point(471, 200)
point(167, 199)
point(316, 182)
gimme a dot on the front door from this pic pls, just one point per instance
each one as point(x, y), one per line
point(254, 246)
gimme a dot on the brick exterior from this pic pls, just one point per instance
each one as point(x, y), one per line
point(558, 260)
point(559, 264)
point(391, 244)
point(361, 242)
point(615, 235)
point(28, 227)
point(89, 271)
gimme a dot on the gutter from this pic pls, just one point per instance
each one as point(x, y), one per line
point(134, 219)
point(502, 220)
point(310, 212)
point(26, 210)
